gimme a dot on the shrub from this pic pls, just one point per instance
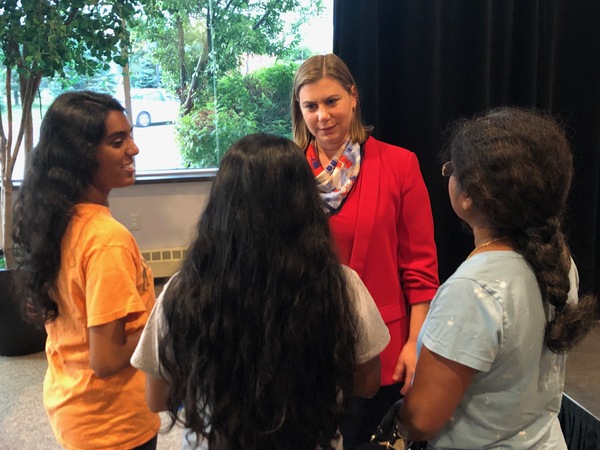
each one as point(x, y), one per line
point(259, 101)
point(197, 136)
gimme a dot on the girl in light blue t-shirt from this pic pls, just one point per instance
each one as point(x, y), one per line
point(492, 350)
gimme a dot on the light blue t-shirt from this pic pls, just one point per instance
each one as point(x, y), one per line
point(489, 316)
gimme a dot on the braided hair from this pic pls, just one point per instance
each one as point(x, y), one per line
point(517, 167)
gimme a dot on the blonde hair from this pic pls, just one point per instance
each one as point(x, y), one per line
point(312, 70)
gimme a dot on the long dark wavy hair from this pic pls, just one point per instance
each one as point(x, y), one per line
point(517, 167)
point(261, 333)
point(62, 166)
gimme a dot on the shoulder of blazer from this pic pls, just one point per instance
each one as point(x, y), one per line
point(391, 156)
point(373, 146)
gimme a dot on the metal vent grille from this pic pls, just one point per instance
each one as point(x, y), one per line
point(164, 262)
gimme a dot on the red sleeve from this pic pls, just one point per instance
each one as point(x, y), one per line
point(417, 254)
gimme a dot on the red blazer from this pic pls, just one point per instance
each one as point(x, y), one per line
point(384, 231)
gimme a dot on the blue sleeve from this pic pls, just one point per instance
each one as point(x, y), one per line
point(465, 324)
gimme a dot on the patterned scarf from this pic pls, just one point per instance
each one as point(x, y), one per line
point(337, 179)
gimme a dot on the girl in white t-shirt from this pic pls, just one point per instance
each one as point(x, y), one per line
point(263, 333)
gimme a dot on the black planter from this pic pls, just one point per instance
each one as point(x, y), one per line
point(17, 337)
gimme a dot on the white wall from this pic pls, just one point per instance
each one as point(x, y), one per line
point(167, 212)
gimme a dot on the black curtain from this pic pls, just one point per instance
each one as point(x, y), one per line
point(419, 64)
point(580, 428)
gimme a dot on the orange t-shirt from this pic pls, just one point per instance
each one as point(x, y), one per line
point(102, 278)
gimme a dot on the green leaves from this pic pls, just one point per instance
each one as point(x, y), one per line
point(239, 28)
point(42, 36)
point(256, 102)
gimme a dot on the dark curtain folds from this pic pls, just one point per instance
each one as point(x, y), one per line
point(580, 427)
point(419, 64)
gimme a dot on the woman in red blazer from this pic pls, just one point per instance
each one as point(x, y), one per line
point(380, 215)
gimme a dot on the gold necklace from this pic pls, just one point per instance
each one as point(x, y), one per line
point(485, 244)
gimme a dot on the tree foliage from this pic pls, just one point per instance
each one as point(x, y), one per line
point(202, 39)
point(259, 101)
point(167, 32)
point(201, 45)
point(102, 80)
point(189, 46)
point(43, 38)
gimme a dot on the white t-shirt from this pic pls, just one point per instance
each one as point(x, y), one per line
point(489, 316)
point(373, 334)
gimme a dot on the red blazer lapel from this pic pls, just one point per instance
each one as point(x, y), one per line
point(367, 206)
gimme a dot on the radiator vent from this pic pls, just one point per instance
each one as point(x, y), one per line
point(164, 262)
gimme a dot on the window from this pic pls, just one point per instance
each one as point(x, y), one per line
point(196, 86)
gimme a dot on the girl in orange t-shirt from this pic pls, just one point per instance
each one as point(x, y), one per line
point(85, 276)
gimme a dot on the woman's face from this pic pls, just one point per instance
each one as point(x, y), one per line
point(327, 109)
point(115, 155)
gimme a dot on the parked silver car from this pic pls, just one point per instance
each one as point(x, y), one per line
point(152, 105)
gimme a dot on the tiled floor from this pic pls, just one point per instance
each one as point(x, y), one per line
point(582, 379)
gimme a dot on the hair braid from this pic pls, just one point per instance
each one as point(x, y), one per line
point(517, 167)
point(545, 250)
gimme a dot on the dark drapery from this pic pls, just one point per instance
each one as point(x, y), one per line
point(420, 63)
point(580, 427)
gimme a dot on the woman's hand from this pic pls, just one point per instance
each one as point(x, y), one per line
point(406, 365)
point(407, 359)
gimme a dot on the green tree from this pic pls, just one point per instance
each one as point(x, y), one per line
point(103, 80)
point(271, 93)
point(41, 38)
point(143, 70)
point(167, 32)
point(202, 40)
point(259, 101)
point(202, 134)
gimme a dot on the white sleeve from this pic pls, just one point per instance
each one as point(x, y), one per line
point(373, 334)
point(145, 356)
